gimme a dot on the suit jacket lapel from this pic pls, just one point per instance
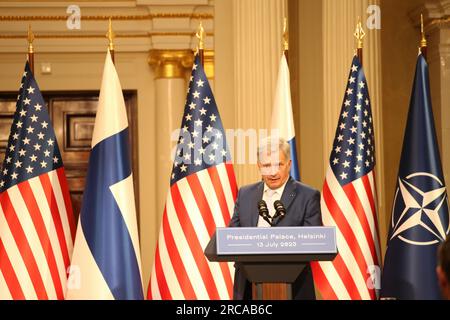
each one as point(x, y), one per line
point(257, 197)
point(289, 193)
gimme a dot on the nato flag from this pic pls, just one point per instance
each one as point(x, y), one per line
point(420, 217)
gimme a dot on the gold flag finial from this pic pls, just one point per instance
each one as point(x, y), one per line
point(423, 41)
point(285, 35)
point(30, 39)
point(359, 34)
point(201, 36)
point(110, 35)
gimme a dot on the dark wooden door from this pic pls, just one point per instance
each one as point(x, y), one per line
point(73, 118)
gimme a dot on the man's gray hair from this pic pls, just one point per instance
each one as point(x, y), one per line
point(274, 144)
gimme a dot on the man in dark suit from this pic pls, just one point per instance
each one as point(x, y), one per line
point(302, 205)
point(443, 268)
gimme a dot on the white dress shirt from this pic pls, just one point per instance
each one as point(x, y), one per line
point(270, 196)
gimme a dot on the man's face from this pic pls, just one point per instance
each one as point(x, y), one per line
point(274, 168)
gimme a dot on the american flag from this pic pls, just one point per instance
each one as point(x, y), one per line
point(36, 219)
point(348, 199)
point(201, 197)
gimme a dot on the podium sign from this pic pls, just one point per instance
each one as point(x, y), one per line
point(276, 241)
point(272, 259)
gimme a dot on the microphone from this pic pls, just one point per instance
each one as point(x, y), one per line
point(280, 210)
point(264, 211)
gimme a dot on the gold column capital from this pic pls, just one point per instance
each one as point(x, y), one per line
point(170, 63)
point(209, 63)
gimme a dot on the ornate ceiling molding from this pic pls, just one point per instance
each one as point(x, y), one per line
point(436, 13)
point(150, 16)
point(140, 25)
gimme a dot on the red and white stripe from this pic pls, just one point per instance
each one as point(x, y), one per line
point(195, 206)
point(37, 229)
point(352, 209)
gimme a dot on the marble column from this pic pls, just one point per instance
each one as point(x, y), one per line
point(257, 40)
point(171, 67)
point(339, 23)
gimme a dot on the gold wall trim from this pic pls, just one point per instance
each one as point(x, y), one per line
point(205, 16)
point(96, 36)
point(184, 34)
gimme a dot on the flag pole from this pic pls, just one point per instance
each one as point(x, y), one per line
point(286, 39)
point(30, 48)
point(110, 35)
point(359, 35)
point(423, 42)
point(201, 35)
